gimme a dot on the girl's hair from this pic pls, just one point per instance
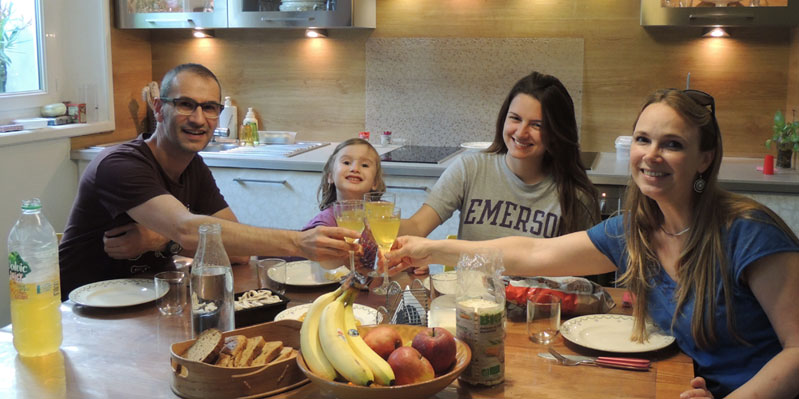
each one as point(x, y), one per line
point(703, 261)
point(327, 191)
point(579, 199)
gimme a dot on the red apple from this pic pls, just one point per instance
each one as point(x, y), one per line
point(410, 366)
point(438, 346)
point(383, 340)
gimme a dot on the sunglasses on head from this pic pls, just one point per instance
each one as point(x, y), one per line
point(701, 98)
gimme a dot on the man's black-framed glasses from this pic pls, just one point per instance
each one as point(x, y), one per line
point(186, 106)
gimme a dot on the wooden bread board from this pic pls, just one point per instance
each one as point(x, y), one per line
point(197, 380)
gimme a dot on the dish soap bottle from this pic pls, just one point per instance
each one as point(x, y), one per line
point(34, 283)
point(229, 119)
point(211, 283)
point(249, 129)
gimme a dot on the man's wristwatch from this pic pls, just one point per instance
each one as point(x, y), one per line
point(172, 248)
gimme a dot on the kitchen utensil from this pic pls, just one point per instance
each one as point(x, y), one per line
point(612, 362)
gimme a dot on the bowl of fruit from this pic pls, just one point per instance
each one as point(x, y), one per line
point(379, 361)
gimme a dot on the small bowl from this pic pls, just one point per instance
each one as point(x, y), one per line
point(425, 389)
point(276, 137)
point(259, 314)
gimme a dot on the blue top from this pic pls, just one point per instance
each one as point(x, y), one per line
point(729, 364)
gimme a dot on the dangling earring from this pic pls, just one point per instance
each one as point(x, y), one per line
point(699, 184)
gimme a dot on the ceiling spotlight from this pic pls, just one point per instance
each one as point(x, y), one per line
point(716, 32)
point(315, 32)
point(201, 33)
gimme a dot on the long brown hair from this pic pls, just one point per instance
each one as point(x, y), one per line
point(703, 261)
point(327, 191)
point(579, 199)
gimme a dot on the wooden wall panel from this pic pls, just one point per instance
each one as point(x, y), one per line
point(316, 87)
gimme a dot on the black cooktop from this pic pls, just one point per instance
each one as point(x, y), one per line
point(419, 154)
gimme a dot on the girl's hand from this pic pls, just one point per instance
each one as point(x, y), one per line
point(699, 390)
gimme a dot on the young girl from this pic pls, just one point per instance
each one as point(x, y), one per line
point(351, 171)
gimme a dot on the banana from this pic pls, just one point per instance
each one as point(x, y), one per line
point(383, 373)
point(310, 346)
point(333, 337)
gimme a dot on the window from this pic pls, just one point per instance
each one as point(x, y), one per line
point(20, 38)
point(69, 49)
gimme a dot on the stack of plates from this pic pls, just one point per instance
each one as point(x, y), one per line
point(302, 5)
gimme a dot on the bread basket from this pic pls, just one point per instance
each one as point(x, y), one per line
point(196, 380)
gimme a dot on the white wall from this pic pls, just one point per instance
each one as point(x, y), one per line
point(42, 169)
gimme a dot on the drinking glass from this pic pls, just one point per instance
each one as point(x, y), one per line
point(170, 292)
point(350, 214)
point(384, 225)
point(272, 274)
point(543, 318)
point(379, 202)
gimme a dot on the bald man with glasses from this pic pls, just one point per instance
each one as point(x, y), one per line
point(143, 201)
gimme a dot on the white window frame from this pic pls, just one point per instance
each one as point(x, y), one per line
point(76, 52)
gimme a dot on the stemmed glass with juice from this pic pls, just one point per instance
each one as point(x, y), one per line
point(383, 218)
point(350, 214)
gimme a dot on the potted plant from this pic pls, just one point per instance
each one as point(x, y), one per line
point(785, 138)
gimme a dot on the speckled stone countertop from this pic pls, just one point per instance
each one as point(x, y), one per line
point(737, 174)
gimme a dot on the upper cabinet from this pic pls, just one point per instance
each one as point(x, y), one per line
point(153, 14)
point(719, 13)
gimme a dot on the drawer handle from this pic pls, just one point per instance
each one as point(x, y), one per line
point(284, 19)
point(419, 188)
point(720, 16)
point(156, 21)
point(245, 181)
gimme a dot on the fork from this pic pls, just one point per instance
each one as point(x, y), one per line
point(613, 362)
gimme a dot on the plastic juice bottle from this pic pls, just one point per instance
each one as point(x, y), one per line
point(249, 129)
point(34, 283)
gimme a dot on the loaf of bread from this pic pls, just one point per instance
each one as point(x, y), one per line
point(207, 346)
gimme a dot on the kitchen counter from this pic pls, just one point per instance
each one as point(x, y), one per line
point(737, 174)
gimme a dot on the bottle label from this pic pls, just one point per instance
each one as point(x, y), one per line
point(18, 269)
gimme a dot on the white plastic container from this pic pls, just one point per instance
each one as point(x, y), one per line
point(623, 144)
point(276, 137)
point(229, 119)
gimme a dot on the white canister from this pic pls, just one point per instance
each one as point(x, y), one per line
point(623, 144)
point(229, 119)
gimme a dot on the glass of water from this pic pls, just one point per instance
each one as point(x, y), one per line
point(543, 318)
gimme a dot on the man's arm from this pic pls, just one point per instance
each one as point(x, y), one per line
point(228, 214)
point(170, 218)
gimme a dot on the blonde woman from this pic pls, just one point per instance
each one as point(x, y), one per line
point(717, 270)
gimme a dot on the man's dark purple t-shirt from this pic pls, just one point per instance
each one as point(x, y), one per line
point(118, 179)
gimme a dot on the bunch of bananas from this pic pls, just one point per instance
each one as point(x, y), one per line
point(331, 345)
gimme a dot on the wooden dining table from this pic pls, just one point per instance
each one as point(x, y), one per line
point(125, 353)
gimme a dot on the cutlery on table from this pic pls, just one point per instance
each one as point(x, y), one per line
point(603, 361)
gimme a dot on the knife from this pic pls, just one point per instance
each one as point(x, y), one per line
point(615, 362)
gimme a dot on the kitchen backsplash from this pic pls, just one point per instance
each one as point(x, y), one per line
point(445, 91)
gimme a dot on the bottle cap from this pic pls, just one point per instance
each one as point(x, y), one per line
point(387, 133)
point(227, 101)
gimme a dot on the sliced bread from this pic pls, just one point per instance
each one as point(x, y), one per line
point(207, 346)
point(224, 360)
point(269, 352)
point(250, 352)
point(234, 344)
point(285, 353)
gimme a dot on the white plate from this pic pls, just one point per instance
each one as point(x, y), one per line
point(611, 333)
point(364, 314)
point(304, 273)
point(115, 293)
point(476, 145)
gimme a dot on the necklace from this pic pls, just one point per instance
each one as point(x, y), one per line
point(675, 234)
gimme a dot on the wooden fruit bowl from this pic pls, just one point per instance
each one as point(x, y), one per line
point(421, 390)
point(197, 380)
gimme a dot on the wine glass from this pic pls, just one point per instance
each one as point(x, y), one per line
point(349, 214)
point(379, 202)
point(384, 224)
